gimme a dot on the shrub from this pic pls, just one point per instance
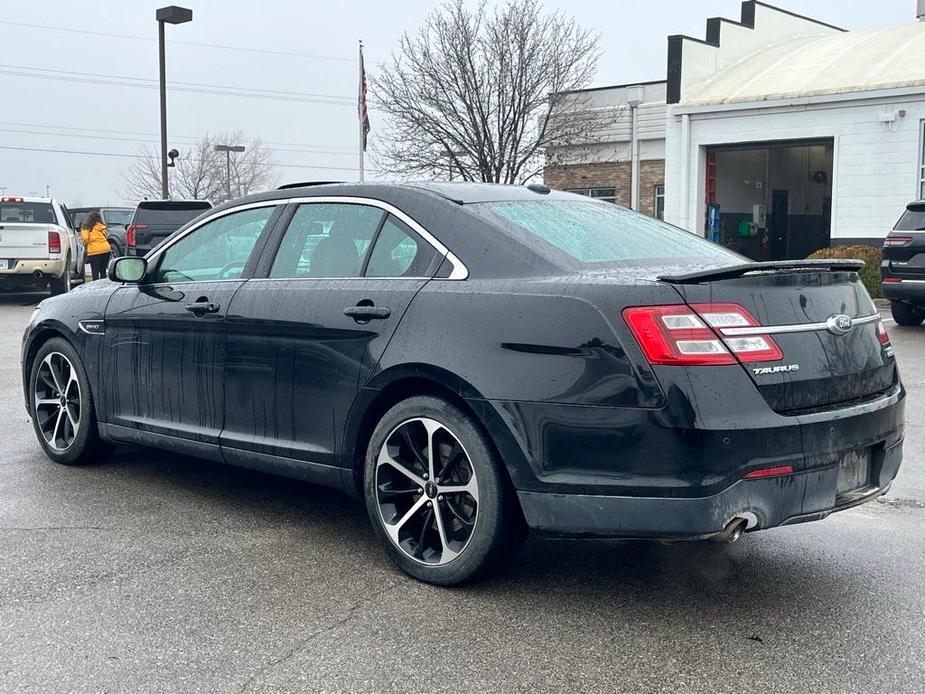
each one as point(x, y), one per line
point(870, 273)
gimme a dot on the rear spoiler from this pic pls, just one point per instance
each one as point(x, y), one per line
point(725, 273)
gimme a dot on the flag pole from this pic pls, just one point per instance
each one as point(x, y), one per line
point(361, 107)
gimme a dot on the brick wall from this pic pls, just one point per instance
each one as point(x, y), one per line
point(605, 175)
point(651, 174)
point(610, 175)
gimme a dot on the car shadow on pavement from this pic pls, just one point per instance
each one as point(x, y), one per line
point(760, 572)
point(22, 298)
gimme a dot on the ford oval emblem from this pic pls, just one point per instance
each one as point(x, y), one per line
point(839, 324)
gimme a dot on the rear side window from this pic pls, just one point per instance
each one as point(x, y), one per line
point(326, 240)
point(27, 212)
point(593, 232)
point(913, 219)
point(399, 252)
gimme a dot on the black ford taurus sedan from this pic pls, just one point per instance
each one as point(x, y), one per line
point(475, 360)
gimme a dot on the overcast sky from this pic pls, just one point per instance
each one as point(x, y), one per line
point(300, 48)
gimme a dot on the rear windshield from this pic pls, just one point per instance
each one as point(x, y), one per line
point(27, 212)
point(913, 219)
point(117, 216)
point(600, 232)
point(174, 213)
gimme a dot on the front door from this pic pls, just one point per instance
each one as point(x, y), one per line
point(164, 365)
point(303, 338)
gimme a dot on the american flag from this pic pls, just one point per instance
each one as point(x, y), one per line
point(362, 109)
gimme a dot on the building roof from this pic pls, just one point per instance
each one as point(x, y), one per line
point(839, 63)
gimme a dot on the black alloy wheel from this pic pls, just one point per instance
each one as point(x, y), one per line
point(438, 498)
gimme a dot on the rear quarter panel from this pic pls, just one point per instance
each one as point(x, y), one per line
point(552, 341)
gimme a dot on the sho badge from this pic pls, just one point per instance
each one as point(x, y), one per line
point(93, 327)
point(764, 370)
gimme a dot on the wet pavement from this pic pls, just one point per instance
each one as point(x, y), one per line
point(155, 572)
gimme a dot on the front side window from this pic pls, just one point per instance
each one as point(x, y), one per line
point(399, 252)
point(326, 240)
point(592, 233)
point(218, 250)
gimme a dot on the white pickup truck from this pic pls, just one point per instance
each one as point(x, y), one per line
point(38, 246)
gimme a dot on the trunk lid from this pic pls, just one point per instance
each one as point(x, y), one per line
point(822, 365)
point(20, 241)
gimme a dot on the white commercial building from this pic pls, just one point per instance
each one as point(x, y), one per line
point(784, 134)
point(811, 133)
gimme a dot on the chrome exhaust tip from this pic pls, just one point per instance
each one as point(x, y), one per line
point(733, 531)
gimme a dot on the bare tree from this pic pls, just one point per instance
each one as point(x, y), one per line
point(482, 96)
point(201, 172)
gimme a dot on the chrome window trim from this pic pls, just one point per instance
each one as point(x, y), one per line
point(330, 279)
point(789, 329)
point(905, 281)
point(460, 271)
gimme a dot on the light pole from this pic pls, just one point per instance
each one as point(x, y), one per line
point(228, 149)
point(166, 15)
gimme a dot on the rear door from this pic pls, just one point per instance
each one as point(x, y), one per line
point(303, 337)
point(165, 339)
point(824, 323)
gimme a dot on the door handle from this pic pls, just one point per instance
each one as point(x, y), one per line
point(202, 306)
point(367, 313)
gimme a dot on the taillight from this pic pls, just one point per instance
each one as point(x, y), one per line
point(54, 242)
point(896, 241)
point(882, 334)
point(130, 233)
point(681, 335)
point(892, 280)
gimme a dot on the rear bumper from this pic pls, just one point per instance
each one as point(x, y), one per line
point(765, 503)
point(911, 291)
point(24, 271)
point(635, 473)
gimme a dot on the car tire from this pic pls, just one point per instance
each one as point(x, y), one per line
point(61, 285)
point(57, 370)
point(444, 531)
point(906, 314)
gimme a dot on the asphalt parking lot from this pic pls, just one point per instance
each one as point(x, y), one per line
point(154, 572)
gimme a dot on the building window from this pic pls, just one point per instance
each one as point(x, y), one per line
point(659, 205)
point(605, 194)
point(922, 160)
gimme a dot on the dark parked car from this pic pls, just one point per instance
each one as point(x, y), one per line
point(155, 220)
point(903, 266)
point(116, 220)
point(473, 360)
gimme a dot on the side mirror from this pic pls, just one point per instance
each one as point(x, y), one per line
point(130, 269)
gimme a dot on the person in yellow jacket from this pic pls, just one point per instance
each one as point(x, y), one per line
point(93, 233)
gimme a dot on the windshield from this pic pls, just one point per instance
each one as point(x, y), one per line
point(27, 212)
point(913, 219)
point(117, 217)
point(599, 232)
